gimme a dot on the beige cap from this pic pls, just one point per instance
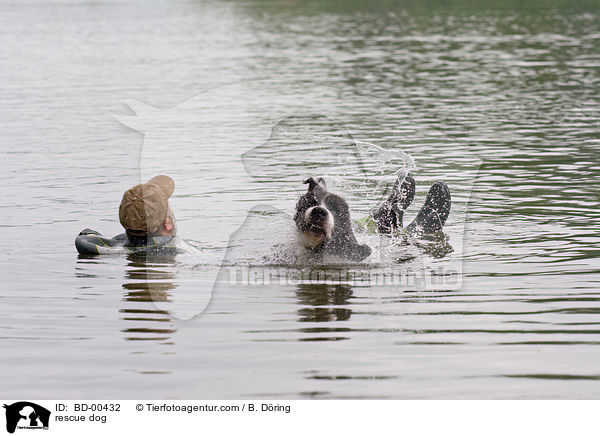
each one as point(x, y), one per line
point(144, 207)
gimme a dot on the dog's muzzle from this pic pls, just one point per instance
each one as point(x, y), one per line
point(319, 221)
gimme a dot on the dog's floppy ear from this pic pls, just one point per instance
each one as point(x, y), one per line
point(316, 188)
point(311, 183)
point(304, 202)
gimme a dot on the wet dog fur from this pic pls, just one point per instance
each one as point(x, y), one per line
point(323, 222)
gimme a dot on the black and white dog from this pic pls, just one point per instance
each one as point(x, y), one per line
point(323, 218)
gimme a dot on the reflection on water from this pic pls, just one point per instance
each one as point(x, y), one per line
point(321, 303)
point(148, 279)
point(435, 245)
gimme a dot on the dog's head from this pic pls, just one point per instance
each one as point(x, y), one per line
point(313, 219)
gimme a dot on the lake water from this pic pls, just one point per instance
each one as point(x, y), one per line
point(238, 102)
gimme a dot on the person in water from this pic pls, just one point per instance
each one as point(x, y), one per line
point(145, 215)
point(145, 212)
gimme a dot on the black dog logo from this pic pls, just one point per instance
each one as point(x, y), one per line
point(26, 414)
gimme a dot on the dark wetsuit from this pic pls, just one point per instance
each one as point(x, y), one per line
point(92, 242)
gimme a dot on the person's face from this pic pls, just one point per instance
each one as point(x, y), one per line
point(170, 225)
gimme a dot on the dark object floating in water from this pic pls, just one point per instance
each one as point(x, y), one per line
point(92, 242)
